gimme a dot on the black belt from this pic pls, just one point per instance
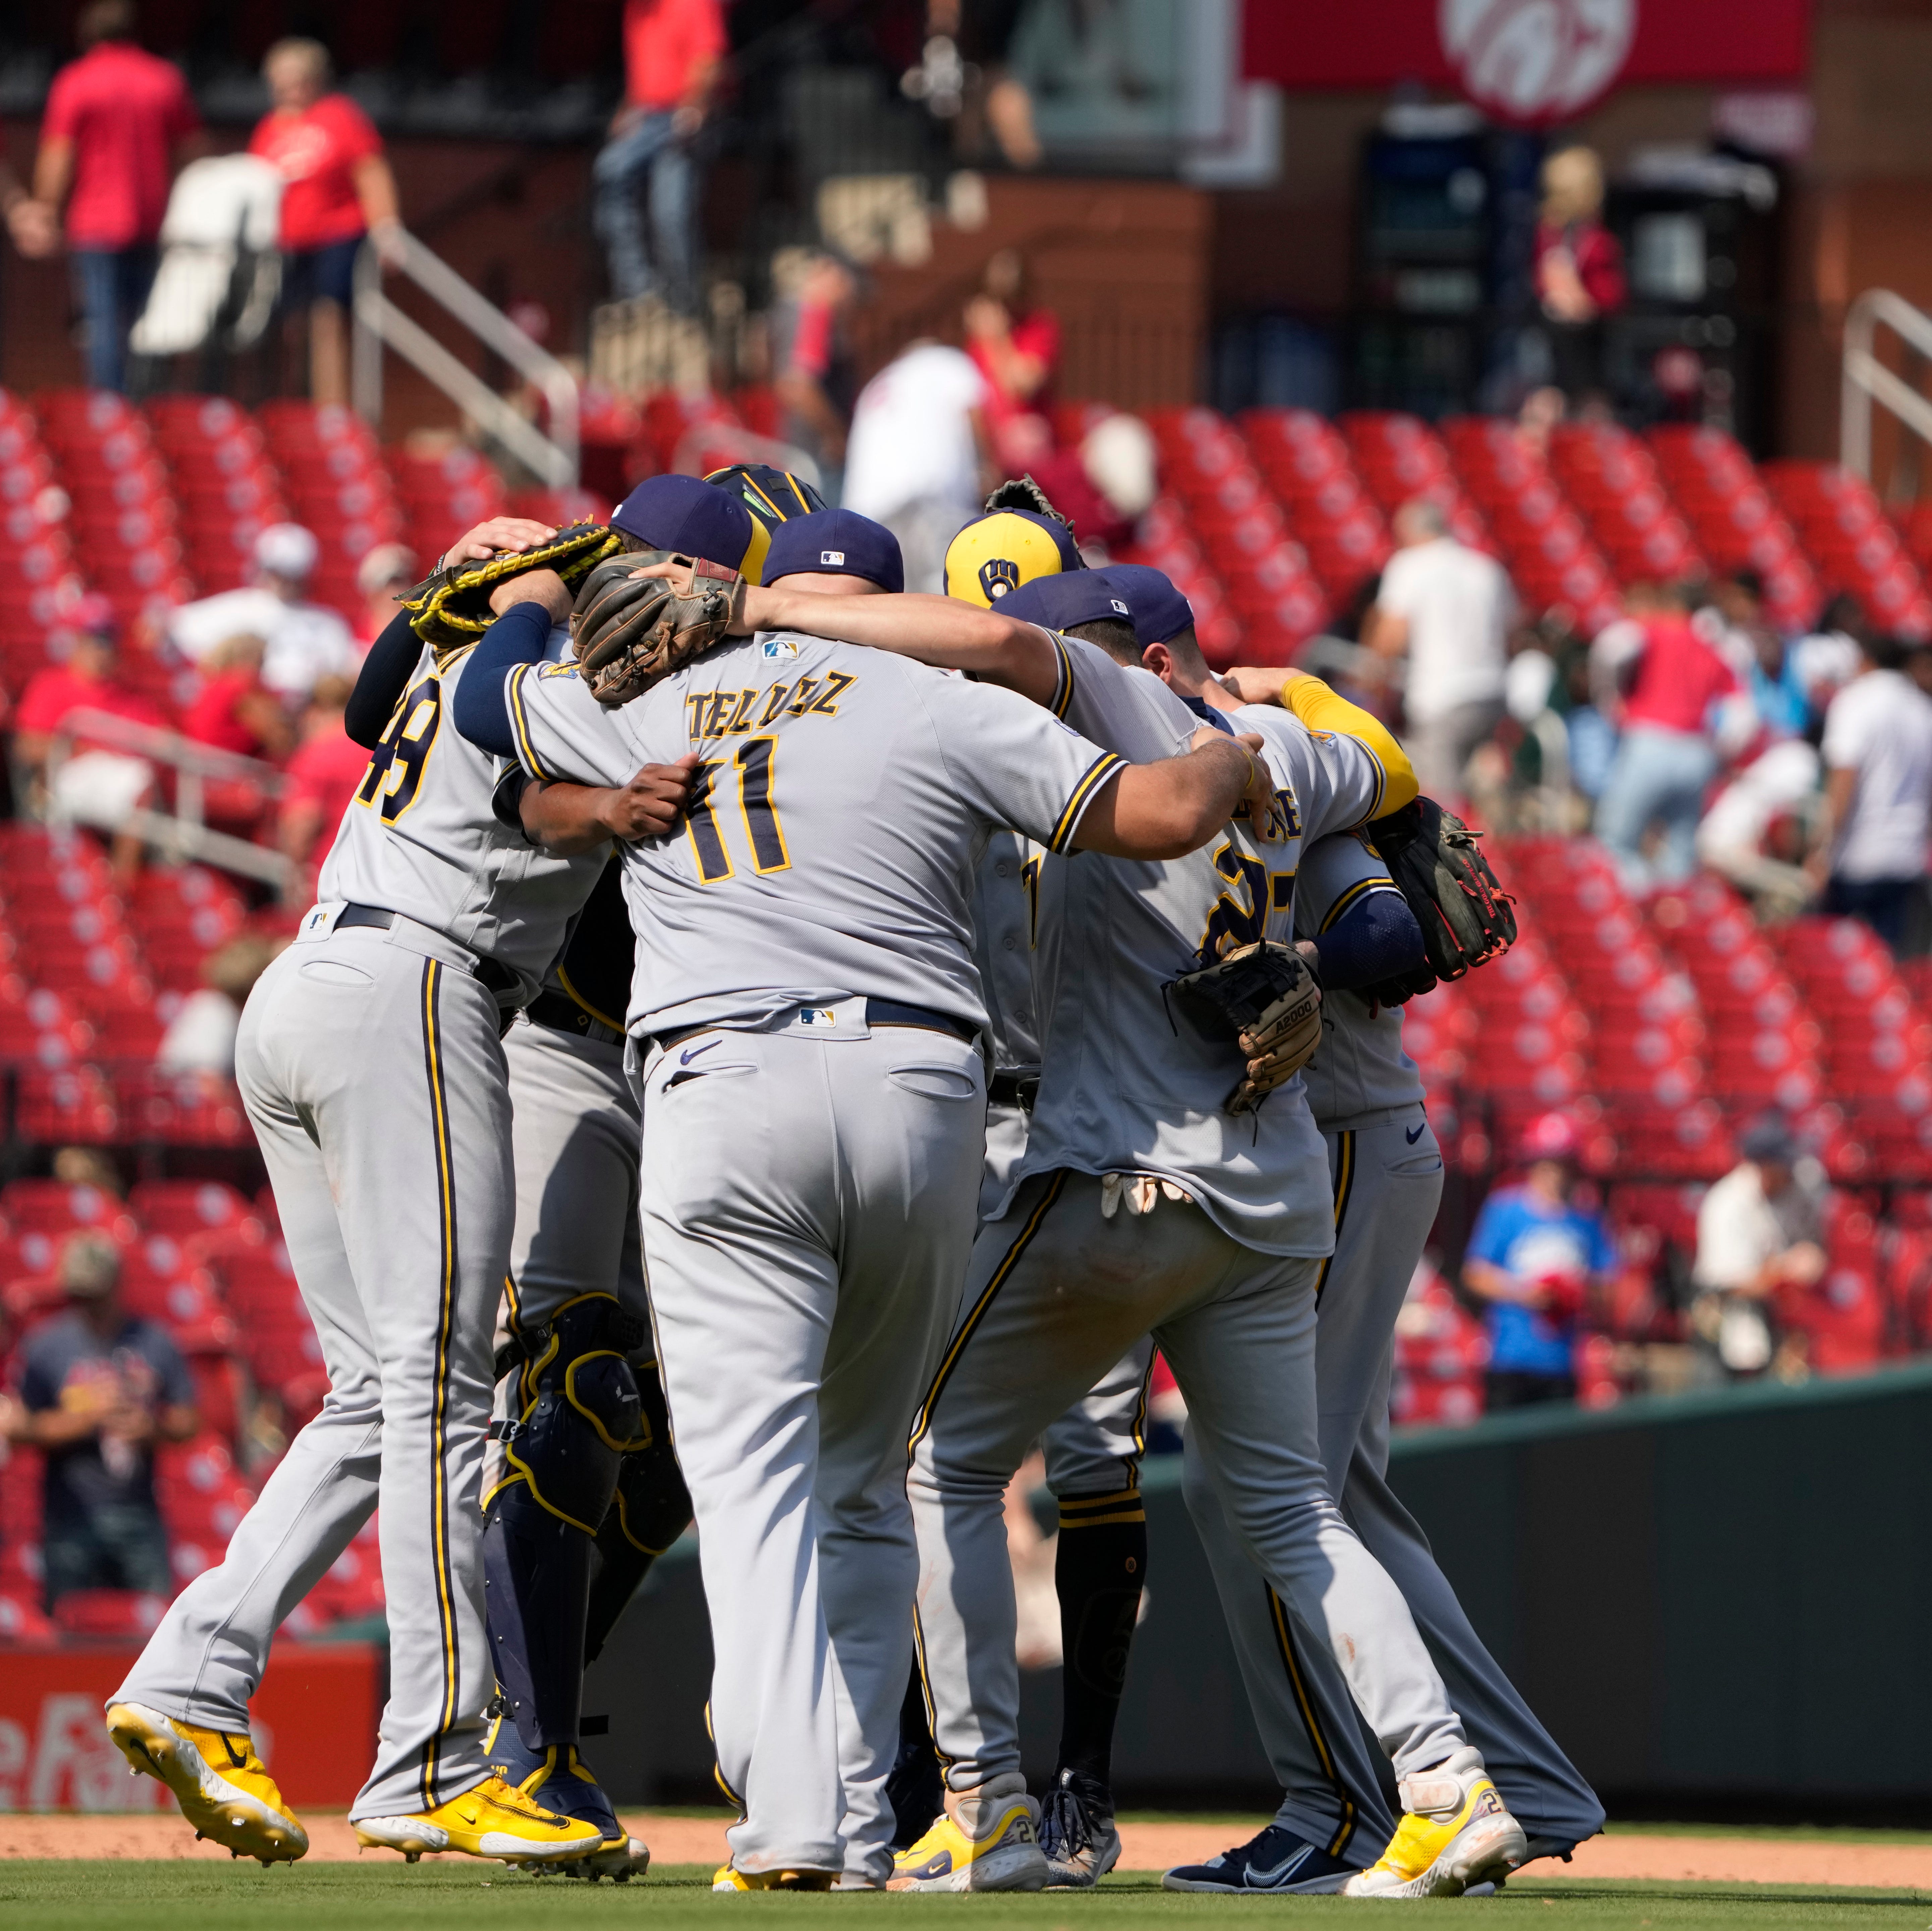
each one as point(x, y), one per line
point(490, 975)
point(559, 1011)
point(1020, 1089)
point(878, 1012)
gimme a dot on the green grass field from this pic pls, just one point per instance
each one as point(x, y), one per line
point(110, 1896)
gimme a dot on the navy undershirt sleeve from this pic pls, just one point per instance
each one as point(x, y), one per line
point(1375, 940)
point(482, 715)
point(379, 685)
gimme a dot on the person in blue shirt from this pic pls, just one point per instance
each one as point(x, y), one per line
point(1534, 1256)
point(99, 1387)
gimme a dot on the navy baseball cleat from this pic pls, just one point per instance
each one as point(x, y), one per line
point(1277, 1861)
point(559, 1779)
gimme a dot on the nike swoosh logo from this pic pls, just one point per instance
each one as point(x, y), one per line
point(1261, 1880)
point(690, 1053)
point(1412, 1138)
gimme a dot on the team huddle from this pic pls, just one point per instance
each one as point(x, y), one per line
point(740, 1070)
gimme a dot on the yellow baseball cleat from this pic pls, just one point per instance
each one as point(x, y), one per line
point(492, 1819)
point(727, 1877)
point(222, 1787)
point(987, 1839)
point(1455, 1833)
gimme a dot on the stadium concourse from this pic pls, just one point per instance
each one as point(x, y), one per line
point(1662, 1027)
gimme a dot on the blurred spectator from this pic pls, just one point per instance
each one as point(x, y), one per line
point(672, 52)
point(1759, 1229)
point(328, 766)
point(200, 1038)
point(1016, 346)
point(115, 121)
point(1579, 271)
point(304, 641)
point(1449, 610)
point(1534, 1256)
point(381, 577)
point(100, 1387)
point(1825, 661)
point(1756, 833)
point(1667, 754)
point(919, 454)
point(1877, 750)
point(338, 189)
point(96, 785)
point(812, 368)
point(88, 1167)
point(963, 75)
point(233, 710)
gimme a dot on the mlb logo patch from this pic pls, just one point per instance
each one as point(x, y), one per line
point(831, 556)
point(816, 1016)
point(776, 647)
point(1117, 605)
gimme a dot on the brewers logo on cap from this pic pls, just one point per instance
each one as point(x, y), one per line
point(993, 556)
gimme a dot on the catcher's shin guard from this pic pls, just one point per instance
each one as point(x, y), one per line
point(652, 1509)
point(579, 1415)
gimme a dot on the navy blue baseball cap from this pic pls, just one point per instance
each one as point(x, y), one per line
point(1159, 611)
point(690, 518)
point(836, 543)
point(1074, 597)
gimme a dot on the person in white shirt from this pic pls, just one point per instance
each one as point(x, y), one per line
point(200, 1038)
point(1449, 610)
point(916, 458)
point(1878, 793)
point(1758, 1230)
point(304, 641)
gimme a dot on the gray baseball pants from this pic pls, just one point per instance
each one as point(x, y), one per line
point(369, 1063)
point(809, 1207)
point(1387, 1186)
point(1056, 1292)
point(575, 1133)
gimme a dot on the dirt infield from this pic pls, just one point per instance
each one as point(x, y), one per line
point(698, 1840)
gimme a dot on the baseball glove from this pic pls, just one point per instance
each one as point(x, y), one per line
point(631, 630)
point(450, 606)
point(1464, 913)
point(1264, 997)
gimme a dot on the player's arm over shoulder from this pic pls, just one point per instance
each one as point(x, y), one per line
point(942, 632)
point(1372, 776)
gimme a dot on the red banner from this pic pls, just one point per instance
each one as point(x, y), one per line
point(314, 1722)
point(1531, 43)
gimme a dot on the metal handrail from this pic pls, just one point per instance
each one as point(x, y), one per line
point(182, 835)
point(1866, 379)
point(554, 457)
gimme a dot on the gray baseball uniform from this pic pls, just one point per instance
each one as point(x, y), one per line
point(1093, 1450)
point(801, 1023)
point(1386, 1171)
point(1093, 1250)
point(369, 1061)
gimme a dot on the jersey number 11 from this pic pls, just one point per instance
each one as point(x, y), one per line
point(763, 832)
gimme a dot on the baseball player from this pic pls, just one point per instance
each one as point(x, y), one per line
point(371, 1063)
point(802, 1028)
point(575, 1298)
point(1143, 1204)
point(1386, 1172)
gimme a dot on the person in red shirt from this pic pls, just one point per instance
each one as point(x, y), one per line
point(337, 188)
point(1017, 348)
point(323, 774)
point(115, 123)
point(1667, 754)
point(97, 785)
point(672, 51)
point(1579, 271)
point(233, 710)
